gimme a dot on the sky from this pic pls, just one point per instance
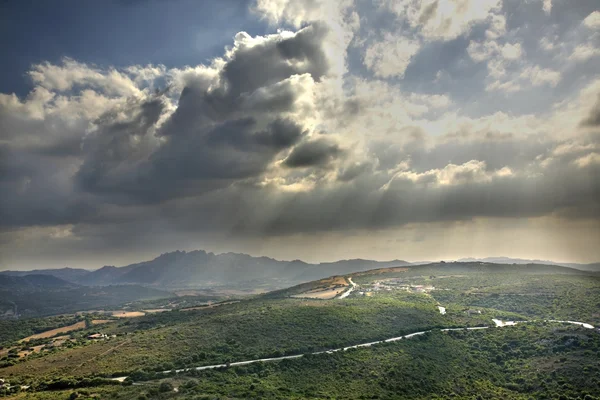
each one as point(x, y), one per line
point(315, 130)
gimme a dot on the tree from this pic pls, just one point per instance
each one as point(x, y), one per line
point(165, 387)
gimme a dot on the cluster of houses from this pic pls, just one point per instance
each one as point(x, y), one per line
point(100, 336)
point(395, 284)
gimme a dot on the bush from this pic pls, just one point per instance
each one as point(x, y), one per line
point(165, 387)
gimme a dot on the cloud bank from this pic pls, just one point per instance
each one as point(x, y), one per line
point(327, 125)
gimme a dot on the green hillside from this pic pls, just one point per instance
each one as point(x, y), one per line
point(509, 362)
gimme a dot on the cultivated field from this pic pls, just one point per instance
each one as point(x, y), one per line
point(127, 314)
point(54, 332)
point(64, 329)
point(100, 321)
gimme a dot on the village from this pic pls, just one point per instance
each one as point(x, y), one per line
point(394, 284)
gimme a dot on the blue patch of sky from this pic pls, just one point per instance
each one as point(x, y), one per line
point(117, 33)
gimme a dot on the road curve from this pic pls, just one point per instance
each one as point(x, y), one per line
point(498, 323)
point(347, 292)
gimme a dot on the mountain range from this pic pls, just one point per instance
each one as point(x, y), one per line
point(593, 267)
point(201, 269)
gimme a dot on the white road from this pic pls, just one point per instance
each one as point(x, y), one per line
point(497, 322)
point(347, 292)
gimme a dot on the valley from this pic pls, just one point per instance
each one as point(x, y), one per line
point(371, 315)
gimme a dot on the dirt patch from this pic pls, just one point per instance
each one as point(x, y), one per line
point(36, 349)
point(127, 314)
point(208, 306)
point(101, 321)
point(54, 332)
point(156, 310)
point(324, 289)
point(324, 294)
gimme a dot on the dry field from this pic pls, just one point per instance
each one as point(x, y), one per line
point(101, 321)
point(127, 314)
point(324, 294)
point(36, 349)
point(156, 310)
point(54, 332)
point(324, 289)
point(64, 329)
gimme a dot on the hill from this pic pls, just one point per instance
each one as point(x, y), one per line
point(40, 295)
point(386, 303)
point(200, 269)
point(593, 267)
point(33, 281)
point(67, 274)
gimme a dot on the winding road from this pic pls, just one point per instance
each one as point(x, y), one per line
point(498, 324)
point(347, 292)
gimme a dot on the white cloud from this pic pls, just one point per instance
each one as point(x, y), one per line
point(592, 21)
point(481, 51)
point(391, 56)
point(547, 6)
point(443, 19)
point(532, 75)
point(584, 52)
point(547, 43)
point(541, 76)
point(471, 172)
point(64, 77)
point(338, 15)
point(507, 86)
point(588, 160)
point(512, 51)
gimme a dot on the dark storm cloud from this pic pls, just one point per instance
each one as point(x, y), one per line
point(314, 153)
point(233, 153)
point(271, 62)
point(217, 135)
point(36, 191)
point(366, 202)
point(353, 171)
point(593, 118)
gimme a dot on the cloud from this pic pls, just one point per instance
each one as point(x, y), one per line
point(442, 19)
point(592, 21)
point(70, 73)
point(391, 56)
point(541, 76)
point(314, 153)
point(288, 133)
point(593, 119)
point(547, 6)
point(584, 52)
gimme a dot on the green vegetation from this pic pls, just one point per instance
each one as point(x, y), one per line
point(529, 360)
point(41, 301)
point(13, 330)
point(245, 330)
point(507, 363)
